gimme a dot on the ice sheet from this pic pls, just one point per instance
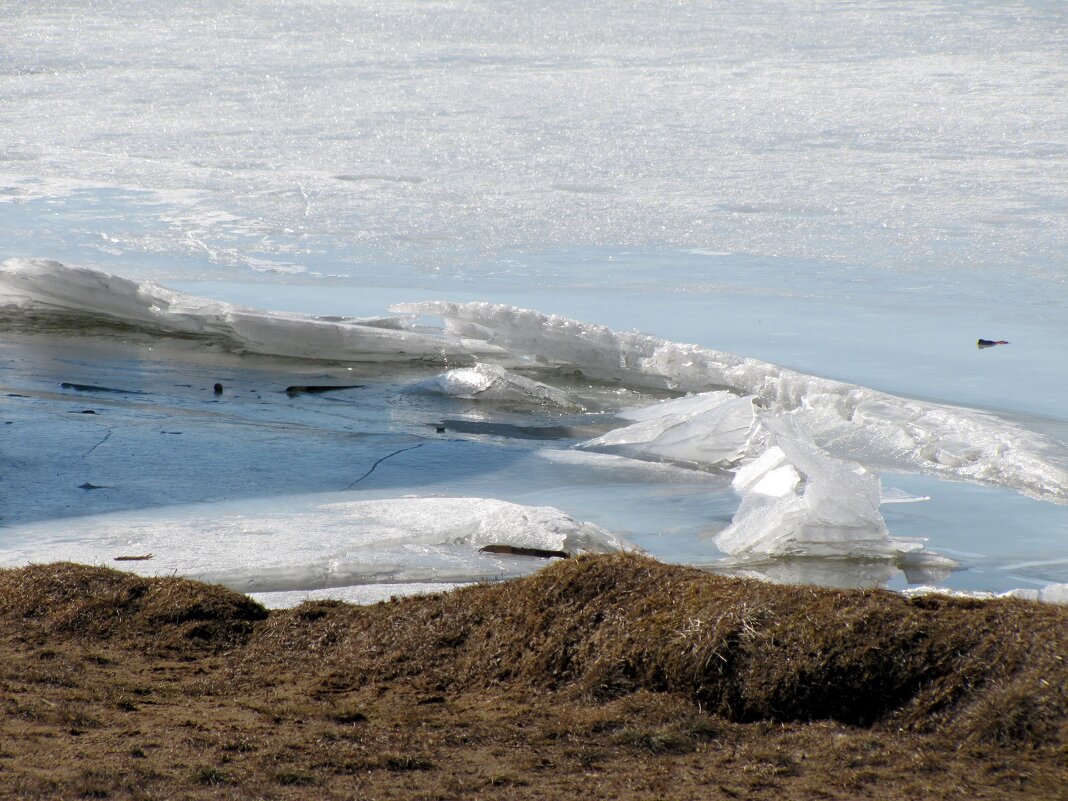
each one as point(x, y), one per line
point(316, 542)
point(846, 133)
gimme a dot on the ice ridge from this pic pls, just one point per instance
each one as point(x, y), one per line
point(877, 429)
point(50, 286)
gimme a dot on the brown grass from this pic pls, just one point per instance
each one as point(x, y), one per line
point(614, 677)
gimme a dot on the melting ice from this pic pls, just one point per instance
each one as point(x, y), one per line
point(800, 456)
point(317, 542)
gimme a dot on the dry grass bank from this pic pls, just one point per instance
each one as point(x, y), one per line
point(611, 677)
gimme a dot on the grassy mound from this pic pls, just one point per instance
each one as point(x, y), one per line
point(615, 677)
point(160, 614)
point(744, 650)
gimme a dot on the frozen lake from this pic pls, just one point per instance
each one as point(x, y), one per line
point(831, 203)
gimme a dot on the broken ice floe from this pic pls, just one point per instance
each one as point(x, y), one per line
point(314, 542)
point(820, 496)
point(882, 431)
point(797, 499)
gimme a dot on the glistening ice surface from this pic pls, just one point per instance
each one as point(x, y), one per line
point(833, 202)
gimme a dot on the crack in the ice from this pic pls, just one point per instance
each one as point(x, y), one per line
point(379, 461)
point(105, 439)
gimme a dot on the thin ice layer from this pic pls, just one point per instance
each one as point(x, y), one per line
point(312, 543)
point(1052, 593)
point(874, 428)
point(363, 594)
point(51, 287)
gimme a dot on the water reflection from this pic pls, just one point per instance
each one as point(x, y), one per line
point(839, 573)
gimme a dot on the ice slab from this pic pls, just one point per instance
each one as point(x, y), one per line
point(708, 430)
point(799, 501)
point(316, 542)
point(98, 297)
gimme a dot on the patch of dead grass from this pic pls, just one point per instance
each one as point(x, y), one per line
point(613, 677)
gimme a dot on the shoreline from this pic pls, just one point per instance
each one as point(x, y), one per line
point(614, 676)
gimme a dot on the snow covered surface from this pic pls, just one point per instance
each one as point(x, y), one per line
point(919, 135)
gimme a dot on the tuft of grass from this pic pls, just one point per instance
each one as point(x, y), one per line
point(348, 715)
point(401, 763)
point(209, 776)
point(656, 741)
point(610, 626)
point(616, 664)
point(292, 778)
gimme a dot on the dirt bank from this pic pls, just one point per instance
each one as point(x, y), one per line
point(611, 677)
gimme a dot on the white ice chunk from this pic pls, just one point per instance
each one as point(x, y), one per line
point(708, 431)
point(1051, 593)
point(778, 482)
point(752, 472)
point(836, 513)
point(1054, 593)
point(492, 382)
